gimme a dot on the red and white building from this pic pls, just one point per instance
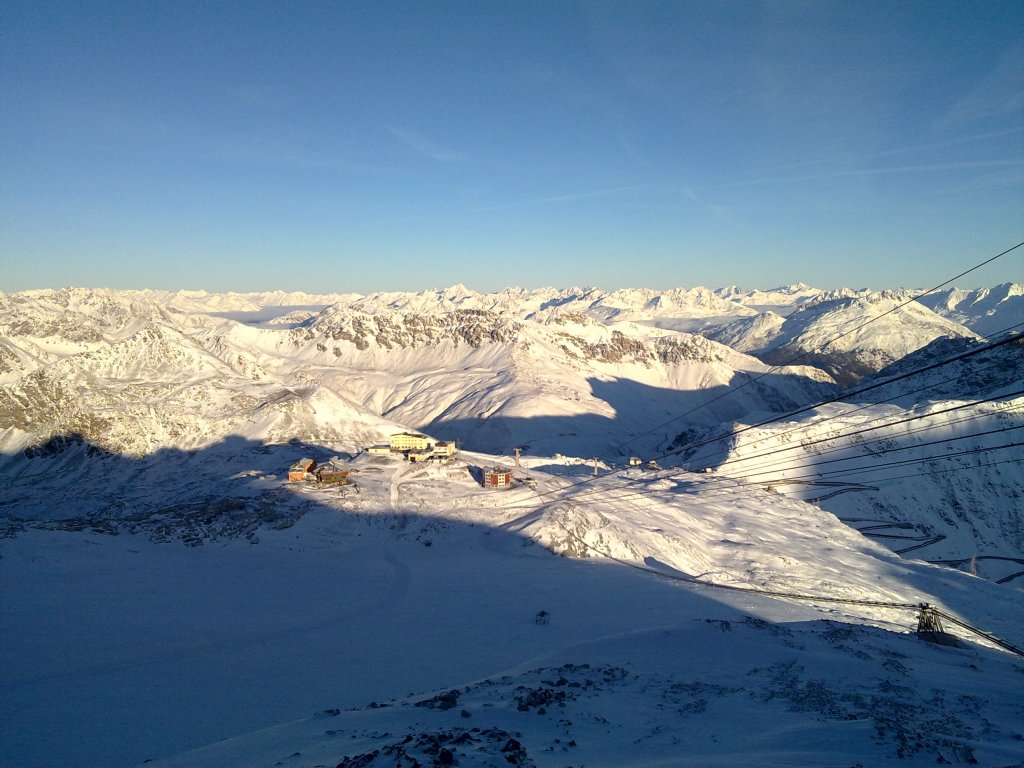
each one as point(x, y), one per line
point(496, 477)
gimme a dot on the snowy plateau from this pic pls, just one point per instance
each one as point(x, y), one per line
point(811, 467)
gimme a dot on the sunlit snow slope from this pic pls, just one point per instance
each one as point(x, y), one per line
point(929, 464)
point(169, 596)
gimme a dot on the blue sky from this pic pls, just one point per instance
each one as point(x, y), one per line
point(361, 146)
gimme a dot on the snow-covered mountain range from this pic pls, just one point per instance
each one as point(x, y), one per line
point(755, 614)
point(579, 372)
point(848, 337)
point(130, 374)
point(985, 311)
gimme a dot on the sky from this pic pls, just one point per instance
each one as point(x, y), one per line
point(364, 146)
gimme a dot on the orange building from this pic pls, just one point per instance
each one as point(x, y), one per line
point(298, 471)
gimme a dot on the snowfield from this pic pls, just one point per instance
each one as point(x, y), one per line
point(169, 598)
point(122, 649)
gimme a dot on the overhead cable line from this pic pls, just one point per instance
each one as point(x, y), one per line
point(779, 481)
point(859, 391)
point(823, 421)
point(843, 414)
point(904, 462)
point(746, 483)
point(785, 465)
point(783, 462)
point(696, 581)
point(823, 346)
point(851, 393)
point(980, 633)
point(754, 471)
point(804, 445)
point(843, 395)
point(947, 471)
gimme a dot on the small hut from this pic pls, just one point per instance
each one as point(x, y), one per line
point(297, 472)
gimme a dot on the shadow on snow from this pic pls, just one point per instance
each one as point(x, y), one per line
point(119, 649)
point(658, 418)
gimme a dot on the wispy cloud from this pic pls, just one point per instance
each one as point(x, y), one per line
point(839, 165)
point(877, 171)
point(427, 147)
point(953, 142)
point(557, 199)
point(1000, 93)
point(1002, 178)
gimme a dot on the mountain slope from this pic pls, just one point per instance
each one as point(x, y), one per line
point(985, 311)
point(157, 387)
point(569, 384)
point(930, 475)
point(165, 587)
point(784, 300)
point(422, 588)
point(849, 338)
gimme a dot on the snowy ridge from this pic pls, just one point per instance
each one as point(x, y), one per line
point(493, 381)
point(849, 337)
point(38, 327)
point(159, 387)
point(203, 302)
point(985, 311)
point(751, 333)
point(786, 299)
point(126, 374)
